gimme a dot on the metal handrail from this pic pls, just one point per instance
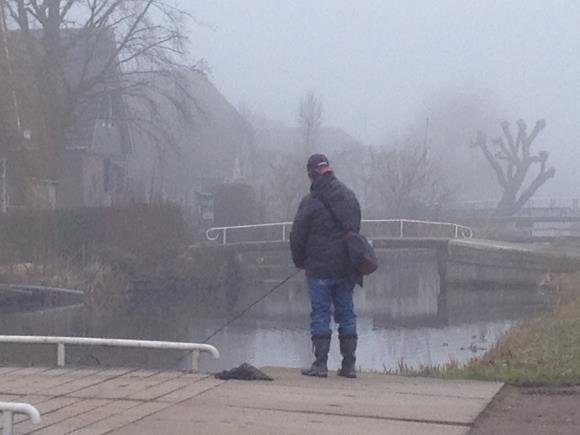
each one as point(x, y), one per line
point(194, 348)
point(39, 288)
point(459, 231)
point(223, 230)
point(8, 410)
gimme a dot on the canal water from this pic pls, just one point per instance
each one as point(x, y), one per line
point(380, 348)
point(399, 324)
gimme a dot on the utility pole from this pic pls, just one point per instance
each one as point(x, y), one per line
point(426, 138)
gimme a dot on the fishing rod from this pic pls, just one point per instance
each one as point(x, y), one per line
point(249, 307)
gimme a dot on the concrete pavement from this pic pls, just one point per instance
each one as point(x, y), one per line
point(126, 401)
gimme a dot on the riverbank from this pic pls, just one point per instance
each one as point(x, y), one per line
point(541, 350)
point(539, 359)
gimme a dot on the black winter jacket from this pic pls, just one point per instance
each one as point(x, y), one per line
point(316, 242)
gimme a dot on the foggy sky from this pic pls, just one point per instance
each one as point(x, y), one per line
point(378, 64)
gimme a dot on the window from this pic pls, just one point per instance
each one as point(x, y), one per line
point(106, 110)
point(113, 176)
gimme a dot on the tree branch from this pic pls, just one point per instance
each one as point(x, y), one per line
point(508, 134)
point(538, 182)
point(481, 142)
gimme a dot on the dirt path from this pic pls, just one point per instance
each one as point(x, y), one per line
point(531, 410)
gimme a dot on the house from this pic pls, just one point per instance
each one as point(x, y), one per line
point(95, 157)
point(88, 167)
point(177, 139)
point(93, 161)
point(192, 142)
point(27, 170)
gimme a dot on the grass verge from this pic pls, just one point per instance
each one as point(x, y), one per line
point(541, 350)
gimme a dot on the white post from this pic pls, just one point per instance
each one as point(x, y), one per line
point(7, 423)
point(456, 231)
point(195, 361)
point(402, 229)
point(225, 232)
point(60, 355)
point(3, 189)
point(283, 232)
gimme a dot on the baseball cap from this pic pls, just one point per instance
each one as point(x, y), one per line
point(318, 162)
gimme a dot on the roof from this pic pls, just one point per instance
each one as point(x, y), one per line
point(203, 134)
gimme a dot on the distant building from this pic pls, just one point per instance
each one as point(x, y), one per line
point(178, 141)
point(93, 162)
point(95, 157)
point(27, 170)
point(194, 141)
point(89, 167)
point(281, 180)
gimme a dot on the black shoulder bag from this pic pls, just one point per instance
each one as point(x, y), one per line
point(360, 252)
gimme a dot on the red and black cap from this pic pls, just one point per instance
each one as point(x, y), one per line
point(318, 163)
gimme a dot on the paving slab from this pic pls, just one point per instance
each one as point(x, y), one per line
point(391, 383)
point(293, 404)
point(5, 370)
point(119, 387)
point(358, 398)
point(211, 420)
point(127, 401)
point(85, 380)
point(35, 381)
point(125, 419)
point(88, 418)
point(59, 415)
point(193, 390)
point(169, 389)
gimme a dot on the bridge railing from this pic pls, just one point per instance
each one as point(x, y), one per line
point(541, 226)
point(372, 228)
point(195, 348)
point(406, 228)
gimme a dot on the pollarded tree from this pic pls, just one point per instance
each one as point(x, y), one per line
point(287, 185)
point(512, 161)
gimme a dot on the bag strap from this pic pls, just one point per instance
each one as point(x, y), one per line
point(333, 215)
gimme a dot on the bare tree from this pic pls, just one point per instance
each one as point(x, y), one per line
point(511, 160)
point(407, 183)
point(287, 185)
point(83, 52)
point(310, 112)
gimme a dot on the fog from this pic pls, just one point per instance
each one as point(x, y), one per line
point(154, 186)
point(380, 66)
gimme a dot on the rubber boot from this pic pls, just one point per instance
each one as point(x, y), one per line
point(348, 352)
point(321, 346)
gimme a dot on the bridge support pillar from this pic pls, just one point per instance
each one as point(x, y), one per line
point(442, 312)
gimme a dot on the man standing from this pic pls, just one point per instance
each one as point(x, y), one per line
point(318, 246)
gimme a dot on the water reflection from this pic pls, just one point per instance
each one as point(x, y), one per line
point(399, 321)
point(379, 348)
point(253, 339)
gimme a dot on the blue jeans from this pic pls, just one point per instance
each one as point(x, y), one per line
point(323, 293)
